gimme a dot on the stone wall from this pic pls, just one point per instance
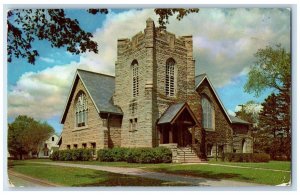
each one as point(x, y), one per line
point(242, 134)
point(140, 48)
point(114, 138)
point(223, 130)
point(92, 132)
point(151, 49)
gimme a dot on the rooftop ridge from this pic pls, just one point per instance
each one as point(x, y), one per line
point(202, 74)
point(99, 73)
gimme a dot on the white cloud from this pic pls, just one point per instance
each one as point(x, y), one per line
point(224, 44)
point(224, 39)
point(253, 108)
point(48, 60)
point(230, 112)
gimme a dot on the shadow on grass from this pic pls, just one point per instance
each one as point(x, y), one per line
point(13, 163)
point(206, 174)
point(112, 179)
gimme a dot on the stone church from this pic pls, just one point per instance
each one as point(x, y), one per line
point(155, 99)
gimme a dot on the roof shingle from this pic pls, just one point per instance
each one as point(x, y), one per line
point(170, 113)
point(101, 88)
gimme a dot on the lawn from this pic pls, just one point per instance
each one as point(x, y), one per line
point(268, 177)
point(278, 165)
point(68, 176)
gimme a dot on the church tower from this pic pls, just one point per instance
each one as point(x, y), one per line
point(154, 69)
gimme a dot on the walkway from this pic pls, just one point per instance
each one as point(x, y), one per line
point(196, 181)
point(20, 180)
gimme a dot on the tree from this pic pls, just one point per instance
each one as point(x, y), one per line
point(26, 135)
point(27, 25)
point(39, 133)
point(271, 136)
point(249, 112)
point(272, 70)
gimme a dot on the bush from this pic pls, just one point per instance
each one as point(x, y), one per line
point(54, 155)
point(261, 157)
point(164, 155)
point(246, 157)
point(136, 155)
point(74, 154)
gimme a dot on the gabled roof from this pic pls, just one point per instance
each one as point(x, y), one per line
point(173, 111)
point(100, 88)
point(199, 80)
point(237, 120)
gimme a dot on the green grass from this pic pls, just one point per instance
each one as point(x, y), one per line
point(267, 177)
point(68, 176)
point(277, 165)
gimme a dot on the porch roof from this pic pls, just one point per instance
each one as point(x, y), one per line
point(171, 114)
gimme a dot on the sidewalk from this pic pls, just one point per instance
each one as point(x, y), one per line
point(20, 180)
point(195, 181)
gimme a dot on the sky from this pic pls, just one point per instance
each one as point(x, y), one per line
point(224, 39)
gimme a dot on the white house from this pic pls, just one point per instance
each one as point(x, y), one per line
point(48, 146)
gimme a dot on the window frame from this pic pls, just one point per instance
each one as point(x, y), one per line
point(208, 114)
point(81, 110)
point(170, 78)
point(135, 78)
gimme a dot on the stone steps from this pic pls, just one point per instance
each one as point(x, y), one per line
point(186, 155)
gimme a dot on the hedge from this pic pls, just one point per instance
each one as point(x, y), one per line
point(72, 155)
point(246, 157)
point(135, 155)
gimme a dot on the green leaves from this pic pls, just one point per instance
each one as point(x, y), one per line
point(24, 26)
point(26, 134)
point(272, 69)
point(164, 14)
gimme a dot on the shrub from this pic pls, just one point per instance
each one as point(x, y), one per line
point(164, 155)
point(119, 154)
point(54, 155)
point(228, 157)
point(74, 154)
point(261, 157)
point(136, 155)
point(247, 157)
point(104, 155)
point(133, 155)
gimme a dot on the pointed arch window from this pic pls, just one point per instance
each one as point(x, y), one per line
point(81, 114)
point(170, 77)
point(135, 78)
point(208, 114)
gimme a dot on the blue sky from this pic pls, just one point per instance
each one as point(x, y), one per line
point(224, 43)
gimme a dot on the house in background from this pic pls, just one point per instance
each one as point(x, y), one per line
point(155, 99)
point(48, 146)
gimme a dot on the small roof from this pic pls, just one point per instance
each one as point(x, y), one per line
point(236, 120)
point(173, 111)
point(199, 80)
point(100, 88)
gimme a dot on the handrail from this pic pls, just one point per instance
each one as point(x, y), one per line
point(183, 154)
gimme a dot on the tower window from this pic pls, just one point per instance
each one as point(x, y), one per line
point(170, 77)
point(81, 110)
point(135, 78)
